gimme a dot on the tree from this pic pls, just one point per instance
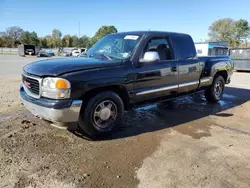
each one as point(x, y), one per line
point(229, 30)
point(56, 36)
point(68, 40)
point(1, 42)
point(7, 41)
point(222, 29)
point(84, 42)
point(242, 30)
point(14, 33)
point(50, 41)
point(43, 42)
point(101, 32)
point(25, 38)
point(64, 44)
point(74, 41)
point(34, 39)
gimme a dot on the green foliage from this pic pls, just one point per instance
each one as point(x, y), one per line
point(63, 43)
point(84, 42)
point(25, 38)
point(33, 38)
point(101, 32)
point(50, 41)
point(15, 35)
point(229, 30)
point(7, 41)
point(74, 41)
point(56, 36)
point(29, 38)
point(1, 42)
point(67, 41)
point(43, 43)
point(242, 29)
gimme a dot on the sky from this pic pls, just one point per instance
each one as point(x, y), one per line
point(187, 16)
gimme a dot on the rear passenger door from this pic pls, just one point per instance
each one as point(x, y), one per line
point(189, 69)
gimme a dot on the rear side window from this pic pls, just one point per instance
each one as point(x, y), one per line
point(184, 46)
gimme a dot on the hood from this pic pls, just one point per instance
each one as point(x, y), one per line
point(55, 67)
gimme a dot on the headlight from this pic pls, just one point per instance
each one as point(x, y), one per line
point(55, 88)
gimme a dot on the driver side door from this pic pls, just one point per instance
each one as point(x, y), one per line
point(157, 79)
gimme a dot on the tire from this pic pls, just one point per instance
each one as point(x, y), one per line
point(103, 104)
point(215, 92)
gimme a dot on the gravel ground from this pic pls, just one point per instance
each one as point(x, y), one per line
point(187, 144)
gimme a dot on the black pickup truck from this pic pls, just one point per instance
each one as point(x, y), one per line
point(120, 71)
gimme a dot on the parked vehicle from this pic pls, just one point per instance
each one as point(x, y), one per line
point(78, 52)
point(120, 71)
point(75, 53)
point(65, 54)
point(241, 58)
point(25, 49)
point(43, 53)
point(50, 52)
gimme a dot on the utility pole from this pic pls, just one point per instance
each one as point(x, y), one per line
point(79, 29)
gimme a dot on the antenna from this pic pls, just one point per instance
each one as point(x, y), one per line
point(79, 29)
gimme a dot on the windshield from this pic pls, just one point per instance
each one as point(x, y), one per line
point(118, 46)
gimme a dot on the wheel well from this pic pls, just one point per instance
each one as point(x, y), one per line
point(221, 73)
point(120, 90)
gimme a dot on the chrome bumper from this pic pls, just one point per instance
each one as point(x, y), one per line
point(65, 115)
point(62, 111)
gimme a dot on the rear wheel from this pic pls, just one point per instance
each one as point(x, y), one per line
point(215, 92)
point(102, 114)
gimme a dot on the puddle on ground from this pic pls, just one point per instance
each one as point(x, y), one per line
point(227, 96)
point(144, 108)
point(185, 115)
point(196, 130)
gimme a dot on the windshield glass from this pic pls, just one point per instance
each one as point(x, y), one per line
point(118, 46)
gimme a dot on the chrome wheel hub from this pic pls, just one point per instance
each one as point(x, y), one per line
point(104, 114)
point(218, 89)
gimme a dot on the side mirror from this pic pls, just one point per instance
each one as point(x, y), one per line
point(150, 57)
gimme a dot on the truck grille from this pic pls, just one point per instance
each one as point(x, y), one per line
point(32, 85)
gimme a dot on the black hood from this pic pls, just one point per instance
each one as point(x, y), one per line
point(55, 67)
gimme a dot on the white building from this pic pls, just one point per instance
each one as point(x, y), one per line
point(211, 48)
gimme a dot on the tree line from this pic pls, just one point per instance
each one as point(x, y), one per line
point(235, 32)
point(15, 36)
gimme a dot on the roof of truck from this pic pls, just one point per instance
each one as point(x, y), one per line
point(149, 32)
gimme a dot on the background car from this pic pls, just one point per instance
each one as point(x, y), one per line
point(64, 54)
point(43, 53)
point(75, 53)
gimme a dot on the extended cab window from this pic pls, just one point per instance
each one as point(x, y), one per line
point(160, 45)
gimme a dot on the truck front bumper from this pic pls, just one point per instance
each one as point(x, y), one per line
point(62, 111)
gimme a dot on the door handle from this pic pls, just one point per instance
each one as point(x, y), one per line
point(174, 69)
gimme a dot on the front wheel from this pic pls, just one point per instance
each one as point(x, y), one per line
point(102, 114)
point(215, 92)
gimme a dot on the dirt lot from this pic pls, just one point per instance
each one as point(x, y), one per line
point(187, 144)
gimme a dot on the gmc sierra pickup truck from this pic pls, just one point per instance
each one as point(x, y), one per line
point(120, 71)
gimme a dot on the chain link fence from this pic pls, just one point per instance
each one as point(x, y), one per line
point(8, 50)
